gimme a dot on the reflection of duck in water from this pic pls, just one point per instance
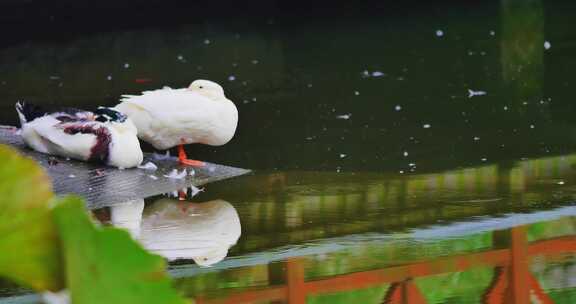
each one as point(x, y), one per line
point(203, 232)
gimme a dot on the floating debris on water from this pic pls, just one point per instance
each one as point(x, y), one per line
point(439, 33)
point(547, 45)
point(154, 177)
point(483, 159)
point(126, 65)
point(426, 126)
point(344, 116)
point(149, 166)
point(342, 155)
point(476, 138)
point(309, 85)
point(405, 153)
point(398, 108)
point(174, 174)
point(254, 61)
point(560, 183)
point(472, 93)
point(71, 176)
point(231, 78)
point(195, 190)
point(492, 33)
point(378, 74)
point(109, 77)
point(207, 41)
point(532, 126)
point(356, 93)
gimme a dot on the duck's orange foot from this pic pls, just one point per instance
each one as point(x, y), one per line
point(183, 159)
point(191, 162)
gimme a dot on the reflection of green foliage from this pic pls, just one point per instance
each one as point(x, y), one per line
point(101, 265)
point(368, 295)
point(459, 287)
point(552, 229)
point(522, 49)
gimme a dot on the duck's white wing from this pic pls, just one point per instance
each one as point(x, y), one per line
point(164, 117)
point(48, 134)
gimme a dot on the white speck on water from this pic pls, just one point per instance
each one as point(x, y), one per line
point(109, 77)
point(378, 74)
point(439, 33)
point(401, 171)
point(547, 45)
point(253, 98)
point(206, 41)
point(174, 174)
point(126, 65)
point(505, 108)
point(426, 126)
point(483, 159)
point(560, 183)
point(342, 155)
point(149, 166)
point(180, 57)
point(309, 85)
point(470, 53)
point(344, 116)
point(532, 126)
point(154, 177)
point(492, 33)
point(245, 101)
point(356, 93)
point(405, 153)
point(255, 61)
point(476, 138)
point(398, 107)
point(482, 53)
point(71, 176)
point(412, 165)
point(231, 78)
point(472, 93)
point(234, 64)
point(90, 188)
point(365, 74)
point(54, 77)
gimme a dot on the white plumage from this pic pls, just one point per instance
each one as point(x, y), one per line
point(169, 117)
point(80, 136)
point(204, 232)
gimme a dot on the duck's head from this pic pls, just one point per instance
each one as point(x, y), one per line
point(207, 88)
point(115, 119)
point(103, 114)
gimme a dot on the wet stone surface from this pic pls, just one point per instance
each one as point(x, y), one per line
point(105, 186)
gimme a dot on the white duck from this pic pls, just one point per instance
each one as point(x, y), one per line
point(104, 136)
point(169, 117)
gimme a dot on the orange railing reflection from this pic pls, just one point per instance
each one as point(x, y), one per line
point(512, 282)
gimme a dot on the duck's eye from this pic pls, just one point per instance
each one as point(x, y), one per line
point(200, 87)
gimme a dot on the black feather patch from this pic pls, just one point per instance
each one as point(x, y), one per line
point(30, 111)
point(100, 152)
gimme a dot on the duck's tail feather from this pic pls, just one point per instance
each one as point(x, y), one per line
point(28, 112)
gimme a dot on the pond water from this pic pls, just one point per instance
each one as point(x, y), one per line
point(409, 156)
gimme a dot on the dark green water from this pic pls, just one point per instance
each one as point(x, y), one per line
point(377, 175)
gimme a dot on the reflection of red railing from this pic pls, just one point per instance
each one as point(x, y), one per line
point(512, 283)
